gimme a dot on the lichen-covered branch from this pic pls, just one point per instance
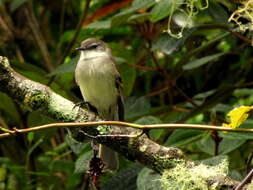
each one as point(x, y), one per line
point(41, 98)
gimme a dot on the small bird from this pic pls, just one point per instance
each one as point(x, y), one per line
point(101, 87)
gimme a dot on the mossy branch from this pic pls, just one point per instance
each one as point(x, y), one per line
point(41, 98)
point(38, 97)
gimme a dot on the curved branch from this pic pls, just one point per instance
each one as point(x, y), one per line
point(41, 98)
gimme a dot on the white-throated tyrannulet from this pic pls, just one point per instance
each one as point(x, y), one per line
point(100, 85)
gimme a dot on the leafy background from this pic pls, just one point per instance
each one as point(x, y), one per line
point(180, 61)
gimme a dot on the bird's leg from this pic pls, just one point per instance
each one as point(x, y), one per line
point(86, 104)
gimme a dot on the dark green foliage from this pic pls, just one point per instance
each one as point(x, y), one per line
point(196, 78)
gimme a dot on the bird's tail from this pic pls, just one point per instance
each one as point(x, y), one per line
point(109, 157)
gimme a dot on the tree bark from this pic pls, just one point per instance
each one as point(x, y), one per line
point(39, 97)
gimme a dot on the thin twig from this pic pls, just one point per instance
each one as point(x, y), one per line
point(185, 96)
point(156, 92)
point(140, 67)
point(6, 25)
point(62, 17)
point(35, 29)
point(124, 124)
point(78, 29)
point(249, 160)
point(73, 41)
point(245, 180)
point(61, 27)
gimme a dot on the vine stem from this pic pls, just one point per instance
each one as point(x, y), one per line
point(121, 124)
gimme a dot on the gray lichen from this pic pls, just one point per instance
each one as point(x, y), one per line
point(195, 177)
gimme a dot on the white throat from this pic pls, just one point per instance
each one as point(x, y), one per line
point(92, 54)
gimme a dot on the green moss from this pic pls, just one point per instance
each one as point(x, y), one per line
point(36, 99)
point(104, 129)
point(194, 177)
point(162, 162)
point(143, 148)
point(61, 108)
point(4, 61)
point(251, 185)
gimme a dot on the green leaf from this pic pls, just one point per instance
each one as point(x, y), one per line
point(163, 8)
point(218, 12)
point(236, 135)
point(228, 145)
point(123, 16)
point(3, 173)
point(146, 120)
point(35, 119)
point(181, 136)
point(236, 175)
point(168, 45)
point(105, 24)
point(61, 165)
point(82, 163)
point(8, 108)
point(128, 75)
point(124, 179)
point(206, 144)
point(149, 180)
point(37, 74)
point(31, 71)
point(30, 137)
point(76, 147)
point(204, 95)
point(67, 36)
point(199, 62)
point(214, 161)
point(1, 2)
point(138, 3)
point(243, 92)
point(138, 18)
point(16, 4)
point(94, 32)
point(136, 107)
point(67, 67)
point(32, 148)
point(73, 181)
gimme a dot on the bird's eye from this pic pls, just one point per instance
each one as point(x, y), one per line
point(93, 46)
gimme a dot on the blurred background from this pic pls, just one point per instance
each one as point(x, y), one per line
point(183, 61)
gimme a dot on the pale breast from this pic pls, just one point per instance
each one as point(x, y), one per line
point(97, 83)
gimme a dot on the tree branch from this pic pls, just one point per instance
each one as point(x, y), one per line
point(41, 98)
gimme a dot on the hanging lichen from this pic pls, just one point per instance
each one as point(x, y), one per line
point(188, 9)
point(245, 11)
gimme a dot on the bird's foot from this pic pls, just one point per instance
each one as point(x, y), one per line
point(85, 104)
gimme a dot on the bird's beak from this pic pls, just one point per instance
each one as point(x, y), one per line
point(80, 49)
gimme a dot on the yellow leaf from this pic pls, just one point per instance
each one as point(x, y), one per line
point(237, 116)
point(226, 125)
